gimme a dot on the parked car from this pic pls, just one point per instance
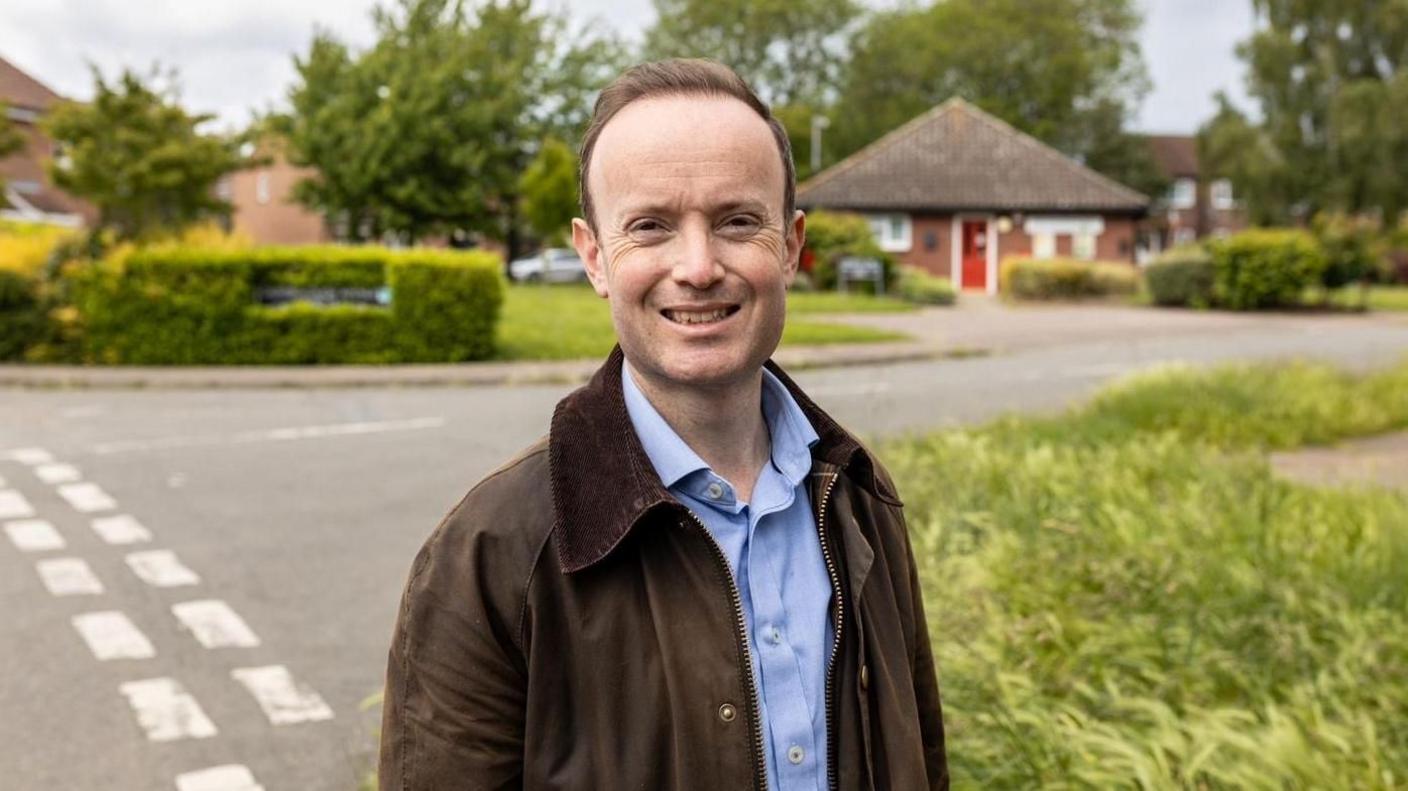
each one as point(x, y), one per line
point(553, 265)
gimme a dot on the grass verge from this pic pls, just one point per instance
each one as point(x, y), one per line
point(571, 322)
point(1125, 596)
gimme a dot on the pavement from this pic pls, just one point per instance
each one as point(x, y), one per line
point(1378, 461)
point(977, 326)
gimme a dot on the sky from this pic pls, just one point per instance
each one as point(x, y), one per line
point(234, 57)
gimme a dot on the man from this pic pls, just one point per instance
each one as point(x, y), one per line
point(698, 580)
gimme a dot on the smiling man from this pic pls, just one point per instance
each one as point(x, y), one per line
point(698, 580)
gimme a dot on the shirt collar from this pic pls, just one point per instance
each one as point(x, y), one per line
point(790, 432)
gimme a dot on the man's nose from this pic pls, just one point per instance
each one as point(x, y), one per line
point(697, 263)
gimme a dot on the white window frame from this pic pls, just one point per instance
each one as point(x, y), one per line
point(893, 232)
point(1084, 246)
point(1043, 246)
point(261, 188)
point(1183, 194)
point(1221, 194)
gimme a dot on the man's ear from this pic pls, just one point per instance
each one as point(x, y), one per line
point(590, 252)
point(796, 239)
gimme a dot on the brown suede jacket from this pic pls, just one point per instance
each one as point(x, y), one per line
point(570, 625)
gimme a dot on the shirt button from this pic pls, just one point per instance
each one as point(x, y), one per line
point(774, 635)
point(727, 712)
point(795, 754)
point(714, 491)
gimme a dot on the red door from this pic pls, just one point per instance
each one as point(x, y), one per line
point(975, 254)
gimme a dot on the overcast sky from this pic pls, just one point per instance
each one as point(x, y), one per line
point(234, 56)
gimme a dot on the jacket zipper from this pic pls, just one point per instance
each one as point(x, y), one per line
point(760, 769)
point(831, 774)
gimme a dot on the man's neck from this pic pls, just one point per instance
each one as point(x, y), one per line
point(725, 426)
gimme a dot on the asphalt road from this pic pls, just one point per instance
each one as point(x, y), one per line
point(300, 511)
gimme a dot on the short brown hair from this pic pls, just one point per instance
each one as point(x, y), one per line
point(680, 77)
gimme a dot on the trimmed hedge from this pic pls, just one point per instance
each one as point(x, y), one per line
point(916, 285)
point(1066, 278)
point(1265, 268)
point(1182, 276)
point(183, 306)
point(23, 319)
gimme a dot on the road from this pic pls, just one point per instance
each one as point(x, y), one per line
point(298, 513)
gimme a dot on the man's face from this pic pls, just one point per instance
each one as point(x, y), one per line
point(691, 245)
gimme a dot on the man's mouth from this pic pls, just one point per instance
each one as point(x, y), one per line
point(681, 316)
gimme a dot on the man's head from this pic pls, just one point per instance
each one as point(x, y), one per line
point(687, 186)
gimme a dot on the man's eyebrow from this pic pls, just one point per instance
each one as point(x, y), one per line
point(667, 207)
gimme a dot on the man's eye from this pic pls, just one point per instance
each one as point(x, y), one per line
point(646, 227)
point(741, 222)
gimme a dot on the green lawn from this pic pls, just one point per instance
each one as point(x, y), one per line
point(1390, 298)
point(571, 322)
point(1126, 597)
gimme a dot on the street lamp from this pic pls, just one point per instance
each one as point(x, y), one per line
point(819, 122)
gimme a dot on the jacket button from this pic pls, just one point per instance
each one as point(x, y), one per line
point(727, 712)
point(864, 677)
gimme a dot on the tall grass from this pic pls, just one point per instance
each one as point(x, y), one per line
point(1125, 597)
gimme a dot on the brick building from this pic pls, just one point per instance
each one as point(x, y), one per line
point(956, 190)
point(28, 194)
point(1195, 206)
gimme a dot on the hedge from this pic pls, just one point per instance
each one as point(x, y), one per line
point(1182, 276)
point(184, 305)
point(1265, 268)
point(916, 285)
point(23, 319)
point(1066, 278)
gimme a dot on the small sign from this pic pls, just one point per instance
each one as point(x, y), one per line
point(853, 268)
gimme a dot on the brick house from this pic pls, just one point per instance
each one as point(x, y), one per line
point(1195, 207)
point(28, 195)
point(262, 204)
point(956, 190)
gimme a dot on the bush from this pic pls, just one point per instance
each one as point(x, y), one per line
point(1182, 276)
point(1265, 268)
point(185, 305)
point(916, 285)
point(1066, 278)
point(832, 236)
point(23, 319)
point(1349, 245)
point(26, 247)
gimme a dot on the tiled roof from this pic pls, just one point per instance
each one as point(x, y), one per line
point(958, 158)
point(18, 89)
point(1176, 155)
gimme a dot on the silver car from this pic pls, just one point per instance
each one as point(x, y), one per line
point(553, 265)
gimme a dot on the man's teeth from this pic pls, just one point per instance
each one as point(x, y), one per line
point(696, 317)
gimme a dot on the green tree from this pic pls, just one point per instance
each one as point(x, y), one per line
point(430, 130)
point(11, 140)
point(789, 50)
point(549, 190)
point(139, 158)
point(1329, 79)
point(1068, 72)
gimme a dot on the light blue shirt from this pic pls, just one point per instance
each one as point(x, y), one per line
point(774, 552)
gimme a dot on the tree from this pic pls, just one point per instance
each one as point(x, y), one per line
point(1330, 82)
point(11, 140)
point(430, 130)
point(1068, 72)
point(549, 189)
point(139, 158)
point(789, 50)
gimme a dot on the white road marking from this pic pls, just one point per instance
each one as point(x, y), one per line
point(160, 568)
point(34, 535)
point(14, 506)
point(110, 635)
point(58, 473)
point(31, 456)
point(214, 624)
point(68, 577)
point(272, 435)
point(87, 497)
point(284, 701)
point(230, 777)
point(121, 529)
point(166, 711)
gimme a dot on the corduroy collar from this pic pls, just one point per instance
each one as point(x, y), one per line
point(603, 482)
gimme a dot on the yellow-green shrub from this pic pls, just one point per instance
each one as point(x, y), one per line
point(1066, 278)
point(1265, 268)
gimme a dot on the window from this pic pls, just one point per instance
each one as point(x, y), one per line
point(1184, 236)
point(1222, 195)
point(892, 231)
point(1044, 245)
point(1083, 246)
point(1184, 194)
point(261, 188)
